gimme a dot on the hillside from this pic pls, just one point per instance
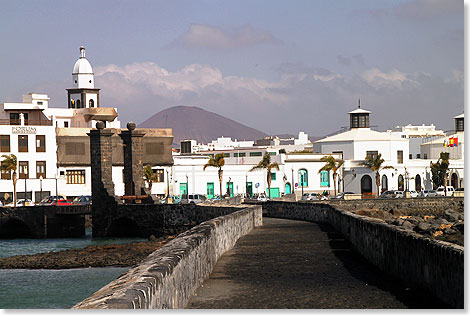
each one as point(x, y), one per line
point(201, 125)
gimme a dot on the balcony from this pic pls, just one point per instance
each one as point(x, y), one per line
point(27, 122)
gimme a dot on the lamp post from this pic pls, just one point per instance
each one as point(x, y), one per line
point(25, 178)
point(167, 185)
point(56, 193)
point(40, 185)
point(292, 183)
point(228, 188)
point(187, 188)
point(302, 182)
point(246, 185)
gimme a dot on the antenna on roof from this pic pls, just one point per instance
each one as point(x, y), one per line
point(359, 103)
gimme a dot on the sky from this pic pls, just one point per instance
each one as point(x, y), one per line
point(276, 66)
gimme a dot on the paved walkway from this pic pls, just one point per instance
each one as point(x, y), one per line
point(296, 264)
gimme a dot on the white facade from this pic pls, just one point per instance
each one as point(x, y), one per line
point(405, 172)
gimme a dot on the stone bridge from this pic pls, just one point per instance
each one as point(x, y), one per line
point(308, 255)
point(43, 221)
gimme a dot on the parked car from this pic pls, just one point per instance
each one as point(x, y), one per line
point(413, 194)
point(388, 194)
point(441, 192)
point(428, 193)
point(20, 203)
point(399, 194)
point(82, 200)
point(50, 200)
point(62, 202)
point(342, 194)
point(259, 197)
point(310, 196)
point(192, 198)
point(459, 189)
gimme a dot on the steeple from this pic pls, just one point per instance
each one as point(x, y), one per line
point(83, 94)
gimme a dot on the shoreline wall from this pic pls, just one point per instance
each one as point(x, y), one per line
point(434, 266)
point(168, 277)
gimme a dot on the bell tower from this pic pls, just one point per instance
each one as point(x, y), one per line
point(359, 118)
point(83, 94)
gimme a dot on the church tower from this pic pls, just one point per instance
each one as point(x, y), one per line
point(83, 94)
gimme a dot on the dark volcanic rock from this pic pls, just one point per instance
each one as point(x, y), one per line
point(117, 255)
point(422, 228)
point(459, 227)
point(451, 216)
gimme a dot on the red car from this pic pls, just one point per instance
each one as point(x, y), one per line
point(62, 202)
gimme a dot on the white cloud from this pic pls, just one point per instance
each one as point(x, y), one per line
point(379, 79)
point(212, 37)
point(308, 98)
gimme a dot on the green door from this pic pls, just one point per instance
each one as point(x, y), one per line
point(230, 186)
point(287, 190)
point(183, 189)
point(210, 190)
point(249, 189)
point(275, 193)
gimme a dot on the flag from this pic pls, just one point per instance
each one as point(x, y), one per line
point(451, 142)
point(456, 142)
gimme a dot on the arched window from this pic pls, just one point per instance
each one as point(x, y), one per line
point(454, 180)
point(303, 178)
point(91, 103)
point(366, 184)
point(384, 183)
point(401, 183)
point(72, 104)
point(418, 183)
point(78, 104)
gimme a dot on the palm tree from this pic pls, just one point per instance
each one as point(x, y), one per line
point(375, 165)
point(332, 164)
point(265, 163)
point(149, 176)
point(217, 161)
point(9, 163)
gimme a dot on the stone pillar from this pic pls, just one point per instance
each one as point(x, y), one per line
point(133, 160)
point(102, 186)
point(101, 160)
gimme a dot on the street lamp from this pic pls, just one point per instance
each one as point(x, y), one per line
point(25, 178)
point(167, 185)
point(187, 188)
point(292, 183)
point(40, 185)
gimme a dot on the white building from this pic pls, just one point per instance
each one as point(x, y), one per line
point(297, 172)
point(52, 146)
point(408, 171)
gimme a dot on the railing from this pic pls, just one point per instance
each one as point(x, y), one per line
point(28, 122)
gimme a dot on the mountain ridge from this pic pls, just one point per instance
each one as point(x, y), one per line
point(195, 123)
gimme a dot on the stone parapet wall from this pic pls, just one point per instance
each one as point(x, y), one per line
point(434, 266)
point(168, 277)
point(404, 206)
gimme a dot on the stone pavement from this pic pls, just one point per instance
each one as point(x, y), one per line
point(295, 264)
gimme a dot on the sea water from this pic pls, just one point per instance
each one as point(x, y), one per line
point(45, 288)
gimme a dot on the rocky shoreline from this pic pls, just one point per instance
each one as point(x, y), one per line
point(115, 255)
point(447, 226)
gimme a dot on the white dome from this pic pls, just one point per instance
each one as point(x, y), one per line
point(82, 66)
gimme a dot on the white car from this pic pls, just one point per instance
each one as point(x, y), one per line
point(413, 194)
point(399, 194)
point(192, 198)
point(261, 197)
point(441, 192)
point(309, 196)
